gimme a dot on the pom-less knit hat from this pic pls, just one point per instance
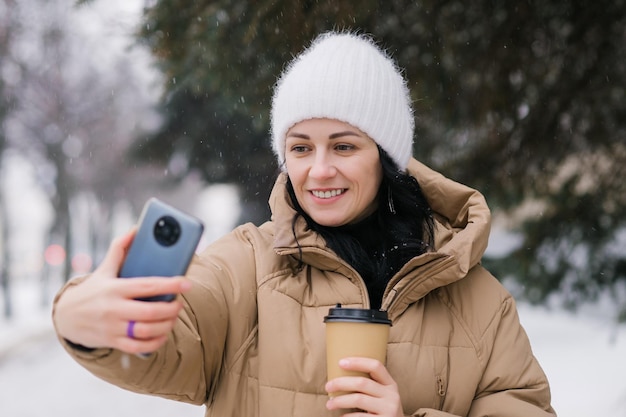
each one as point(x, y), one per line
point(345, 76)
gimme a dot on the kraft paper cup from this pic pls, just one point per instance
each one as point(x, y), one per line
point(354, 332)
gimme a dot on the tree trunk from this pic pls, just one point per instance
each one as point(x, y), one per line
point(5, 277)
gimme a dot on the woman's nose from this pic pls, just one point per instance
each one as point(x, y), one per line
point(323, 167)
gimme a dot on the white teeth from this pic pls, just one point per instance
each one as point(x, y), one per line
point(327, 194)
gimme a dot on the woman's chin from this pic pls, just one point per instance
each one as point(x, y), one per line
point(330, 221)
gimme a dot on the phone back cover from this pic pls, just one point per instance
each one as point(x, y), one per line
point(146, 257)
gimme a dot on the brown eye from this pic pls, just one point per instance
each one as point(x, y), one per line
point(299, 148)
point(344, 147)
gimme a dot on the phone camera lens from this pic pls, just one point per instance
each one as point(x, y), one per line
point(167, 230)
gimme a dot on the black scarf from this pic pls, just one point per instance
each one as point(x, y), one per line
point(370, 250)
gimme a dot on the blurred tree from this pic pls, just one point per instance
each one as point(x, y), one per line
point(52, 112)
point(8, 26)
point(76, 107)
point(523, 101)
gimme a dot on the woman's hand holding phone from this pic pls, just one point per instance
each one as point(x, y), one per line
point(96, 313)
point(104, 311)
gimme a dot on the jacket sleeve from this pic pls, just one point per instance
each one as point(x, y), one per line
point(513, 383)
point(188, 366)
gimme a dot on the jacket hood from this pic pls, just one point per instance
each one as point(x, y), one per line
point(462, 226)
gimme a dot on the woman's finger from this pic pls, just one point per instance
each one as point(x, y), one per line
point(377, 371)
point(114, 258)
point(152, 286)
point(354, 401)
point(376, 395)
point(141, 330)
point(349, 384)
point(147, 311)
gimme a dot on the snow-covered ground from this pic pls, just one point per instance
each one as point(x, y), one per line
point(584, 358)
point(37, 377)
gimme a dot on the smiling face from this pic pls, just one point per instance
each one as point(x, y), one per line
point(335, 170)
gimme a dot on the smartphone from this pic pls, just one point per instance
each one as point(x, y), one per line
point(164, 244)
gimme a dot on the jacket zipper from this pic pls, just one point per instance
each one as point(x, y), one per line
point(441, 391)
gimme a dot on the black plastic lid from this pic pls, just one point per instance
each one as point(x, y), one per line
point(361, 315)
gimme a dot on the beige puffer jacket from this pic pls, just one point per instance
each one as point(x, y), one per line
point(251, 342)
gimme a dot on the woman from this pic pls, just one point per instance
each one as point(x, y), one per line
point(356, 221)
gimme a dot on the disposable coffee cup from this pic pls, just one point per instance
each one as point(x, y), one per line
point(354, 332)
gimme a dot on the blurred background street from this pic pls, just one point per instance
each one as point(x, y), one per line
point(39, 378)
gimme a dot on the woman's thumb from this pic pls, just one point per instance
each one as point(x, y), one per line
point(114, 258)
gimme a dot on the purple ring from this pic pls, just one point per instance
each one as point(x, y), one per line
point(130, 330)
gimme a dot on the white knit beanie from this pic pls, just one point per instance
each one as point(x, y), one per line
point(345, 76)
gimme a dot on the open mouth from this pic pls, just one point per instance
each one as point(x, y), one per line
point(327, 193)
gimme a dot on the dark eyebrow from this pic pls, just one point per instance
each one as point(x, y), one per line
point(341, 134)
point(298, 135)
point(332, 136)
